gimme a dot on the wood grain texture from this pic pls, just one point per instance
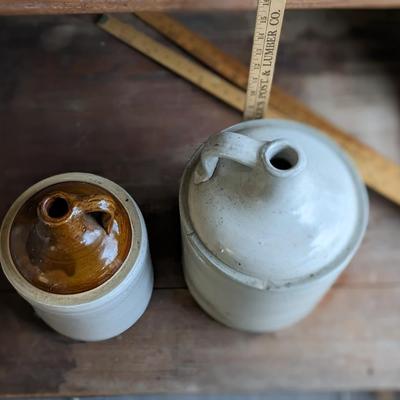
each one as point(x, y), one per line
point(197, 46)
point(174, 61)
point(336, 348)
point(72, 98)
point(29, 7)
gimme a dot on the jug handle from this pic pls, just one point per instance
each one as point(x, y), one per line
point(246, 151)
point(229, 145)
point(99, 203)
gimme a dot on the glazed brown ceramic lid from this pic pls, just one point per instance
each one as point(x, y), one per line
point(70, 237)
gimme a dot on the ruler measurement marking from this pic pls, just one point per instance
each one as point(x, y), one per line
point(253, 95)
point(265, 45)
point(265, 35)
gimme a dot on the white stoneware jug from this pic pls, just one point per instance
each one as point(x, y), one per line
point(75, 247)
point(271, 213)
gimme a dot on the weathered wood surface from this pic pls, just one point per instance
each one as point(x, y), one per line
point(29, 7)
point(72, 98)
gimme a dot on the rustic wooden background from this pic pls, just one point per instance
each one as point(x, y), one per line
point(26, 7)
point(72, 98)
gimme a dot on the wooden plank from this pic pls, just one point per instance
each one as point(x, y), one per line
point(30, 7)
point(176, 348)
point(379, 173)
point(73, 98)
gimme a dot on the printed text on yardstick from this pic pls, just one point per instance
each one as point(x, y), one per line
point(265, 46)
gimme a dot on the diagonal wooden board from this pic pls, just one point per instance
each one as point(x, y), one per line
point(379, 173)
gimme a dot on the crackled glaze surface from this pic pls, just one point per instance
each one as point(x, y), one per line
point(70, 237)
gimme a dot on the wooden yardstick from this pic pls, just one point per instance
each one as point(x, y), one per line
point(265, 47)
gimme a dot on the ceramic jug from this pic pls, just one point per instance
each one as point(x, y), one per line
point(75, 247)
point(271, 213)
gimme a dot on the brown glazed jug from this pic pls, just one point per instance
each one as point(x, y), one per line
point(75, 246)
point(70, 238)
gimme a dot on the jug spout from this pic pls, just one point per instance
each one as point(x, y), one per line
point(55, 209)
point(283, 159)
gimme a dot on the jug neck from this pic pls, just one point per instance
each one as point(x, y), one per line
point(277, 158)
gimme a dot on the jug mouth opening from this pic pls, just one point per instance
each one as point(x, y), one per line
point(282, 159)
point(55, 208)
